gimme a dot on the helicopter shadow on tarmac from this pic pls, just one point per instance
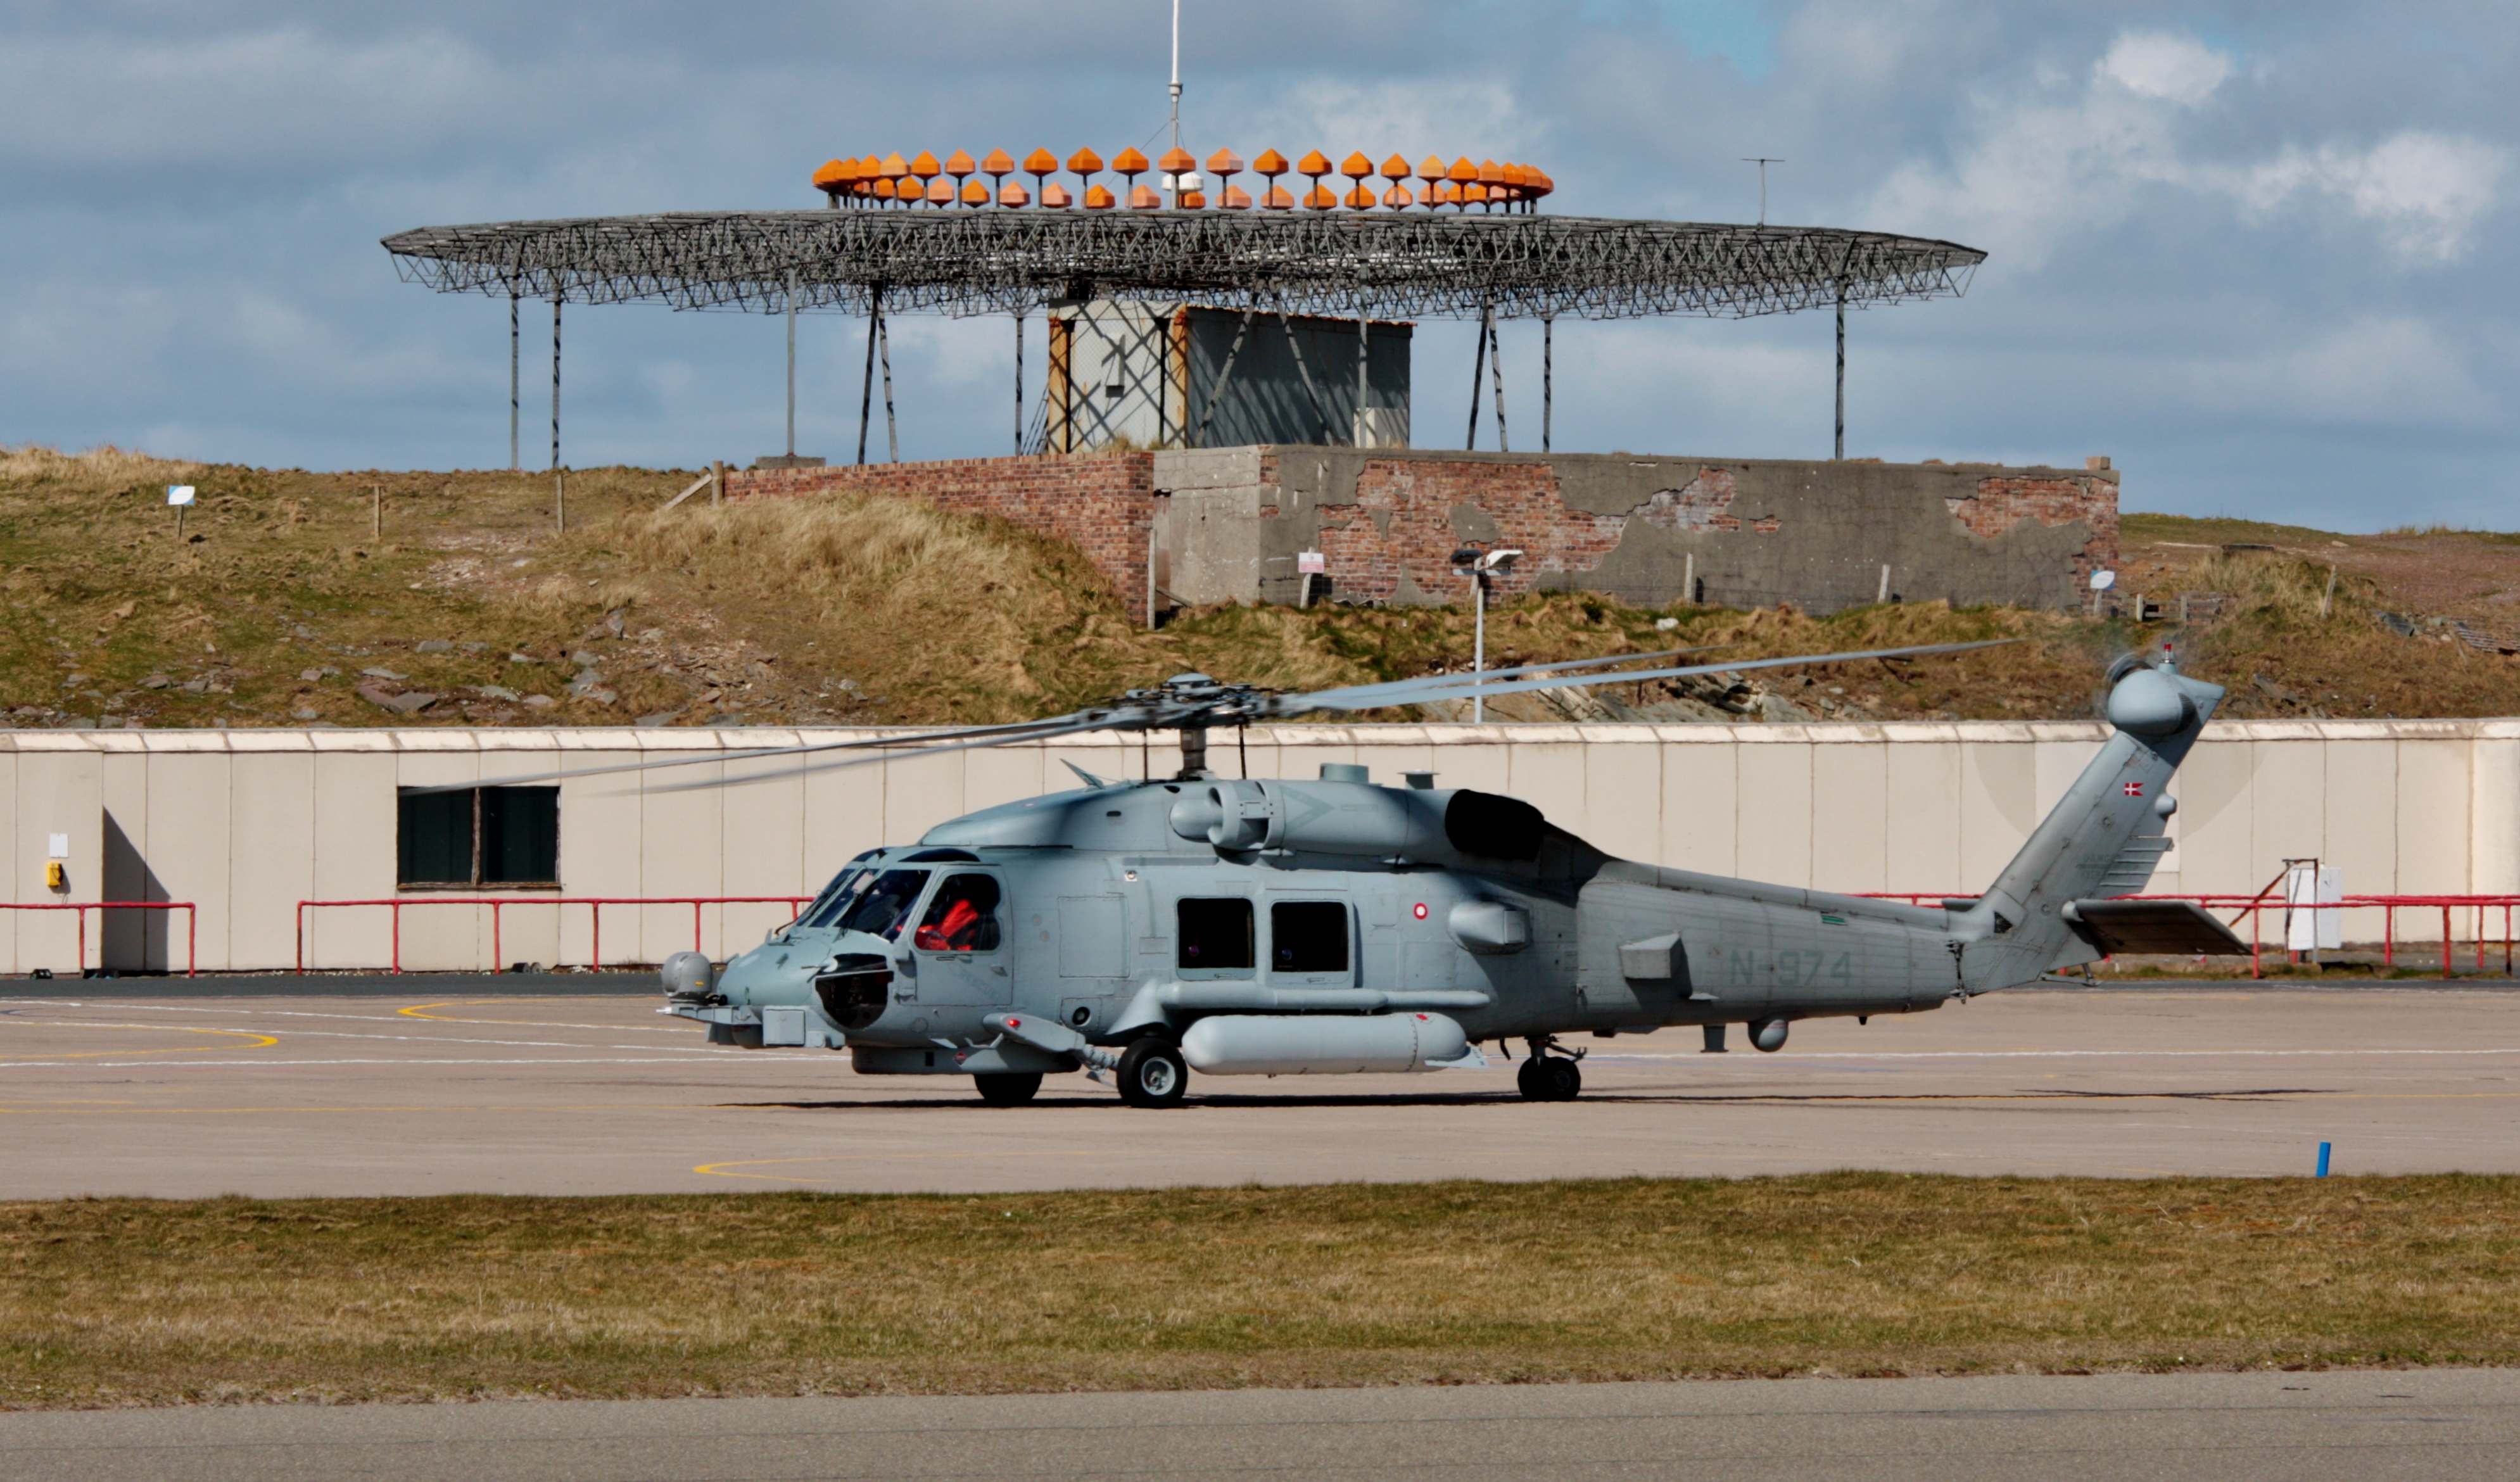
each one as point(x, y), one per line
point(1495, 1099)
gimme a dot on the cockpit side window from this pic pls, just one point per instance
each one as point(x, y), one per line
point(882, 903)
point(963, 918)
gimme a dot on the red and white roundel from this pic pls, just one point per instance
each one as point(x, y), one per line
point(1421, 910)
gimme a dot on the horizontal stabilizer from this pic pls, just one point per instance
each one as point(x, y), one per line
point(2181, 927)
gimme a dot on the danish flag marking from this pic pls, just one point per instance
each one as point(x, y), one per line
point(2134, 789)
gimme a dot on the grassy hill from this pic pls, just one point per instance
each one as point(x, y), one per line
point(293, 598)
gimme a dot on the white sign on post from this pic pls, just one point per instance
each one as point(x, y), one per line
point(2312, 931)
point(1311, 563)
point(179, 493)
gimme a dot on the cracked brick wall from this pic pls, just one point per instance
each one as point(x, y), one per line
point(1742, 532)
point(1225, 524)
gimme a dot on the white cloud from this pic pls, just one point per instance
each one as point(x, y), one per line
point(2425, 190)
point(1415, 117)
point(2038, 169)
point(289, 97)
point(2048, 163)
point(2372, 370)
point(2180, 69)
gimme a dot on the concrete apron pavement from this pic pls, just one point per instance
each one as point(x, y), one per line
point(451, 1089)
point(2338, 1426)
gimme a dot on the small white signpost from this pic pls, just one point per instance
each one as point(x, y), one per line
point(2308, 885)
point(180, 495)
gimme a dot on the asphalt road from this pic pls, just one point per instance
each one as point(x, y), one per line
point(2460, 1424)
point(463, 1091)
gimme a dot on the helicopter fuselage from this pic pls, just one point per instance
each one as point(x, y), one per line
point(1144, 908)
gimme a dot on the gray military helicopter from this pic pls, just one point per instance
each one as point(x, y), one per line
point(1241, 927)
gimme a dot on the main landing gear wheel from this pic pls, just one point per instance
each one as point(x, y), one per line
point(1153, 1073)
point(1549, 1078)
point(1008, 1089)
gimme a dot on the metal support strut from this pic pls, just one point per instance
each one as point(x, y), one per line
point(891, 427)
point(865, 384)
point(555, 385)
point(791, 361)
point(1363, 382)
point(1840, 453)
point(1496, 372)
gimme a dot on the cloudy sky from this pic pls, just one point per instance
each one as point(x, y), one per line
point(2260, 253)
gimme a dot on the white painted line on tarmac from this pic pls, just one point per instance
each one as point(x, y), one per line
point(116, 1006)
point(2038, 1055)
point(751, 1055)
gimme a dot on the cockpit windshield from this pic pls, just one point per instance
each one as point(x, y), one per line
point(880, 902)
point(836, 896)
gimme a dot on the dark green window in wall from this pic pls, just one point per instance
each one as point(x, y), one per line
point(480, 836)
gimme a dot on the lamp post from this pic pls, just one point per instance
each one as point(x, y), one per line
point(1480, 566)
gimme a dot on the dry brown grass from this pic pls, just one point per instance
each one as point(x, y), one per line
point(110, 1302)
point(35, 465)
point(873, 610)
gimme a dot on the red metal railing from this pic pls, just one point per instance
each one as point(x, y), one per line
point(2254, 907)
point(192, 921)
point(595, 905)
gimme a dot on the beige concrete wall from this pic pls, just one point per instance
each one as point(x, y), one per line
point(247, 823)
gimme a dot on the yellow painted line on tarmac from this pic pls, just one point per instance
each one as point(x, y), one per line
point(414, 1011)
point(261, 1040)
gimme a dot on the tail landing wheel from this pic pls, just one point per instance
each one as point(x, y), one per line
point(1546, 1077)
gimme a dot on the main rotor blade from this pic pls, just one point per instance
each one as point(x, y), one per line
point(1465, 686)
point(1349, 695)
point(1016, 730)
point(835, 763)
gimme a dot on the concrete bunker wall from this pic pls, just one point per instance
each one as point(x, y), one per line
point(1737, 532)
point(1226, 524)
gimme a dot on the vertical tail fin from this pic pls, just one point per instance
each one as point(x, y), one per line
point(2102, 838)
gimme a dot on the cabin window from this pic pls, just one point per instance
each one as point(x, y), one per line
point(477, 836)
point(1216, 935)
point(1307, 936)
point(963, 918)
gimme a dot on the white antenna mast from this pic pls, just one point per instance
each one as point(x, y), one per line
point(1173, 182)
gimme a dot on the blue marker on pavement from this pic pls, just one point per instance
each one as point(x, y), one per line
point(2322, 1160)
